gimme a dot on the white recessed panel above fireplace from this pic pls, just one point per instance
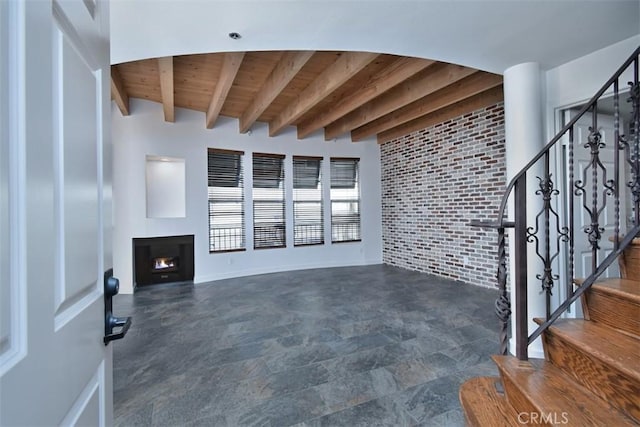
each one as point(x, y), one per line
point(165, 187)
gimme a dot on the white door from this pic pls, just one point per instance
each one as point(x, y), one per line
point(55, 216)
point(582, 220)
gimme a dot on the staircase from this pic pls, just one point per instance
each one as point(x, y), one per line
point(590, 375)
point(591, 372)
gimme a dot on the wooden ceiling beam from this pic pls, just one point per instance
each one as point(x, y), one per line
point(345, 67)
point(481, 100)
point(230, 66)
point(284, 71)
point(456, 92)
point(427, 82)
point(165, 69)
point(118, 92)
point(399, 71)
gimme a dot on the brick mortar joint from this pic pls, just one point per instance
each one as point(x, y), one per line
point(465, 154)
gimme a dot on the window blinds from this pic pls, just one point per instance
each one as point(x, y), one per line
point(307, 201)
point(226, 200)
point(345, 200)
point(268, 201)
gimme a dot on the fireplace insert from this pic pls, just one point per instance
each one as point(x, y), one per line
point(165, 263)
point(163, 259)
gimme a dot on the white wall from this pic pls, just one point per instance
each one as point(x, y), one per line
point(145, 132)
point(577, 81)
point(166, 187)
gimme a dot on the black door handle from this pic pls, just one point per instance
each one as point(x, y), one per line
point(111, 288)
point(112, 322)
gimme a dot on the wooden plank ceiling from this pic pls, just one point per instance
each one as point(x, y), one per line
point(358, 93)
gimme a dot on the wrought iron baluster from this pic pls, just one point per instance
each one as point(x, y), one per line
point(547, 278)
point(593, 230)
point(616, 162)
point(634, 184)
point(594, 145)
point(521, 262)
point(551, 223)
point(503, 303)
point(572, 275)
point(545, 190)
point(629, 145)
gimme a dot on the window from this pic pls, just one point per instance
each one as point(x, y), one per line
point(268, 201)
point(345, 200)
point(226, 201)
point(307, 201)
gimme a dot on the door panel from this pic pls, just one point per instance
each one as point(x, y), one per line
point(5, 291)
point(86, 409)
point(54, 204)
point(13, 338)
point(76, 170)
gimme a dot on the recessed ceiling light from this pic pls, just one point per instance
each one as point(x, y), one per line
point(235, 36)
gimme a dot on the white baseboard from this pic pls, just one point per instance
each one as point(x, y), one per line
point(279, 269)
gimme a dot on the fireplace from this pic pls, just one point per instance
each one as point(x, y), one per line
point(165, 263)
point(163, 259)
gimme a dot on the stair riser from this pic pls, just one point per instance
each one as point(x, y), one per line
point(542, 394)
point(603, 380)
point(520, 402)
point(631, 265)
point(484, 406)
point(614, 311)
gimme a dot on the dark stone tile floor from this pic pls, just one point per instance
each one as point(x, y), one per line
point(355, 346)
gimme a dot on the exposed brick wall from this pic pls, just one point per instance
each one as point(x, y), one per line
point(434, 182)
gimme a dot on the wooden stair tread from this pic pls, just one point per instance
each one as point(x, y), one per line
point(602, 342)
point(484, 406)
point(624, 288)
point(550, 391)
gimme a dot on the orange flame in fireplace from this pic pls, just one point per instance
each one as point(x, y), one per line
point(162, 263)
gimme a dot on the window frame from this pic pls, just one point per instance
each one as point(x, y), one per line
point(301, 189)
point(239, 180)
point(336, 184)
point(279, 227)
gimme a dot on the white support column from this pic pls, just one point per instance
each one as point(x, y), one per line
point(524, 139)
